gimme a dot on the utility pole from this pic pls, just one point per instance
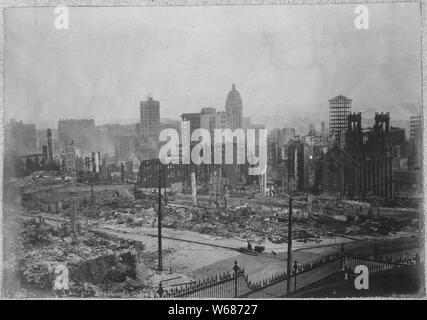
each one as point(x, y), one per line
point(91, 189)
point(159, 219)
point(74, 219)
point(92, 198)
point(164, 184)
point(193, 187)
point(289, 260)
point(145, 171)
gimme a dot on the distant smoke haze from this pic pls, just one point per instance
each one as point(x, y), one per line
point(285, 60)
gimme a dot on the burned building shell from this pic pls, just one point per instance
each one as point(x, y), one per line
point(363, 167)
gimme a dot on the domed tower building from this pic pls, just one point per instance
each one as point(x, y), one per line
point(233, 107)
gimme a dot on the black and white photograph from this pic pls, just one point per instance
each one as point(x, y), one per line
point(212, 151)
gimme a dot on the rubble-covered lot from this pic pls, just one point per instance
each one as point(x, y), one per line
point(381, 226)
point(97, 266)
point(256, 223)
point(103, 264)
point(260, 223)
point(243, 222)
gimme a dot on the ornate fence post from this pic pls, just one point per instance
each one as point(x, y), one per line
point(160, 291)
point(296, 271)
point(342, 256)
point(236, 269)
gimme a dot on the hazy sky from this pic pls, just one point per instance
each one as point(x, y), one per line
point(285, 60)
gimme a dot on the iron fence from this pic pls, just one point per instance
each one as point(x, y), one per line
point(374, 265)
point(226, 285)
point(302, 275)
point(237, 284)
point(376, 247)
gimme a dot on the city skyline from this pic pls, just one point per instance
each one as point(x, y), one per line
point(280, 72)
point(233, 151)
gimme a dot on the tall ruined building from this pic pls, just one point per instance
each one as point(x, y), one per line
point(416, 139)
point(364, 167)
point(339, 109)
point(416, 127)
point(20, 138)
point(150, 118)
point(233, 107)
point(49, 145)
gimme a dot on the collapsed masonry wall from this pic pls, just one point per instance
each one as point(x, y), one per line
point(108, 268)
